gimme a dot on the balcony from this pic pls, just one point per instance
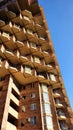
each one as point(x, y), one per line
point(59, 105)
point(13, 112)
point(4, 37)
point(14, 99)
point(16, 89)
point(18, 20)
point(26, 13)
point(56, 95)
point(2, 48)
point(21, 35)
point(7, 28)
point(11, 44)
point(30, 32)
point(26, 18)
point(2, 23)
point(11, 14)
point(62, 117)
point(15, 28)
point(10, 126)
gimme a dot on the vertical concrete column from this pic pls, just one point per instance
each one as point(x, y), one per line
point(7, 102)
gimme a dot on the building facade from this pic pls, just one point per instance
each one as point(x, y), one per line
point(32, 92)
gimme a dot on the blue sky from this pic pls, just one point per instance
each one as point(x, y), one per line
point(59, 15)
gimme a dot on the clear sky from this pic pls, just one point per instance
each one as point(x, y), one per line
point(59, 15)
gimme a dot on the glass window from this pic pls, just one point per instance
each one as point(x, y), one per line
point(52, 77)
point(44, 88)
point(64, 126)
point(48, 122)
point(28, 70)
point(33, 45)
point(33, 120)
point(33, 106)
point(45, 97)
point(37, 59)
point(47, 109)
point(32, 95)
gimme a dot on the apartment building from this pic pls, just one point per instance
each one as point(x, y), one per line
point(32, 92)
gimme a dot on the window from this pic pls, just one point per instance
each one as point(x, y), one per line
point(44, 88)
point(45, 97)
point(33, 45)
point(64, 126)
point(46, 108)
point(30, 31)
point(52, 77)
point(33, 106)
point(37, 59)
point(23, 108)
point(57, 101)
point(32, 95)
point(22, 122)
point(48, 122)
point(28, 69)
point(33, 120)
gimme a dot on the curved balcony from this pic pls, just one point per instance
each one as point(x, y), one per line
point(4, 37)
point(2, 23)
point(59, 105)
point(18, 20)
point(56, 95)
point(26, 17)
point(7, 28)
point(11, 44)
point(15, 28)
point(40, 30)
point(10, 14)
point(21, 35)
point(38, 20)
point(2, 49)
point(11, 57)
point(23, 47)
point(61, 117)
point(4, 68)
point(26, 20)
point(30, 26)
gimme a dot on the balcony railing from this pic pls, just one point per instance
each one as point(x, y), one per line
point(29, 31)
point(6, 35)
point(14, 99)
point(26, 18)
point(13, 112)
point(10, 126)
